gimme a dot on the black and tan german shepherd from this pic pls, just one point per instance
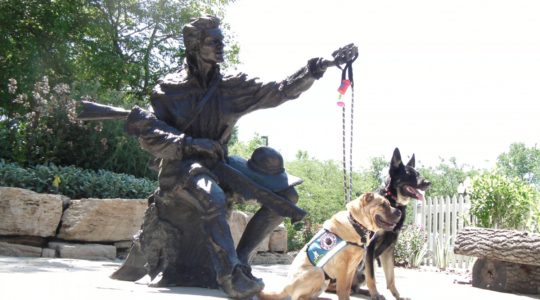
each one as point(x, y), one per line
point(402, 184)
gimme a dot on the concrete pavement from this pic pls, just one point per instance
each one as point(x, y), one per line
point(59, 279)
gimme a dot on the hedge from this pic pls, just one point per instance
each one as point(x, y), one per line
point(75, 183)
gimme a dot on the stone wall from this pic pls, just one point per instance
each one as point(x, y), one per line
point(45, 225)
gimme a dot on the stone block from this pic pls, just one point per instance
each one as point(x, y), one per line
point(8, 249)
point(102, 220)
point(84, 251)
point(24, 212)
point(278, 240)
point(48, 252)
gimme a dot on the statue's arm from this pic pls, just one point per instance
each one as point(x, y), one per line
point(155, 136)
point(275, 93)
point(164, 141)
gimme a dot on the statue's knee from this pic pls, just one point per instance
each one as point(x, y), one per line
point(209, 194)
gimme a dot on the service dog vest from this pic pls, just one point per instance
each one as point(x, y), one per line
point(323, 246)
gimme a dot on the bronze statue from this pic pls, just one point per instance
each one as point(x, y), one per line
point(185, 235)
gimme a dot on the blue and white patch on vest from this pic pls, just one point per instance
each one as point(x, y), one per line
point(323, 246)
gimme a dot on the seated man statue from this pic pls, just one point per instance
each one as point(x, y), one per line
point(192, 116)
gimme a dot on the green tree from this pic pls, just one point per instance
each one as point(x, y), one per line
point(446, 176)
point(244, 149)
point(371, 178)
point(109, 51)
point(119, 44)
point(522, 162)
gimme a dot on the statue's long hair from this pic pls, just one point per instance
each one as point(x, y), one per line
point(193, 34)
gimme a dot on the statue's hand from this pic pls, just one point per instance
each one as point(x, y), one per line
point(345, 54)
point(205, 147)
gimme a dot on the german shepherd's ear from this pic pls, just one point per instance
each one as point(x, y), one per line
point(396, 162)
point(411, 162)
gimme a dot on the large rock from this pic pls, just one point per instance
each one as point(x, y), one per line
point(237, 222)
point(278, 240)
point(271, 258)
point(23, 212)
point(102, 220)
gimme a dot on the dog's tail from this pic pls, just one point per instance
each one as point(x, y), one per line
point(273, 295)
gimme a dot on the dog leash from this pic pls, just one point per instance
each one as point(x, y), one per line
point(346, 81)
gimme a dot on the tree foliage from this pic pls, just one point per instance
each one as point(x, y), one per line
point(522, 162)
point(501, 202)
point(47, 131)
point(446, 176)
point(108, 51)
point(119, 44)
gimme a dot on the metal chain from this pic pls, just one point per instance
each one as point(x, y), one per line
point(351, 145)
point(347, 182)
point(346, 188)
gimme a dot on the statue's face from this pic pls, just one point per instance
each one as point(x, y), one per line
point(211, 48)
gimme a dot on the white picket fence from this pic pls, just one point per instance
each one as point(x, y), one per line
point(442, 218)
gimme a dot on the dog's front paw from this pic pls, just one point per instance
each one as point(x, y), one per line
point(377, 297)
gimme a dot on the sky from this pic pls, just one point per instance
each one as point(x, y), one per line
point(439, 79)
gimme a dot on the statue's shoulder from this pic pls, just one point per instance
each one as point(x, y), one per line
point(171, 84)
point(173, 79)
point(239, 79)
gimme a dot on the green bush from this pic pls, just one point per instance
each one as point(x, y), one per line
point(411, 247)
point(74, 182)
point(299, 234)
point(42, 128)
point(501, 202)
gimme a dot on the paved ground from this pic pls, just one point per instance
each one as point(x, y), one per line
point(59, 279)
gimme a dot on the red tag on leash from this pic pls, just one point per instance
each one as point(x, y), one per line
point(345, 84)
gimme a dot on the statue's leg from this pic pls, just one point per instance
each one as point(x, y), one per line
point(260, 226)
point(213, 208)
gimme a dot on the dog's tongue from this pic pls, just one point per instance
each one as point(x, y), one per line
point(417, 193)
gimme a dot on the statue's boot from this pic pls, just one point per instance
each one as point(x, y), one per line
point(133, 267)
point(239, 285)
point(232, 276)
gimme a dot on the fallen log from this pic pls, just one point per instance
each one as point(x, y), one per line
point(506, 277)
point(508, 260)
point(507, 245)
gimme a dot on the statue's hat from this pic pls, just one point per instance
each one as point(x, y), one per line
point(266, 168)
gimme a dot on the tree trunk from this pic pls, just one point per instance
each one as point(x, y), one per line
point(506, 277)
point(499, 244)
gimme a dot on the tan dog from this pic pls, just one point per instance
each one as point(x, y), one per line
point(369, 213)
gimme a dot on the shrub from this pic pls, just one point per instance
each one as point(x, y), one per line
point(411, 247)
point(501, 202)
point(299, 234)
point(443, 252)
point(42, 128)
point(74, 182)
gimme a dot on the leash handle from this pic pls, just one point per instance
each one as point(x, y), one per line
point(346, 81)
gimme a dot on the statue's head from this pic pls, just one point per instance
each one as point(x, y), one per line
point(203, 40)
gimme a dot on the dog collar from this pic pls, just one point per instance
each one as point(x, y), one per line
point(364, 233)
point(391, 195)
